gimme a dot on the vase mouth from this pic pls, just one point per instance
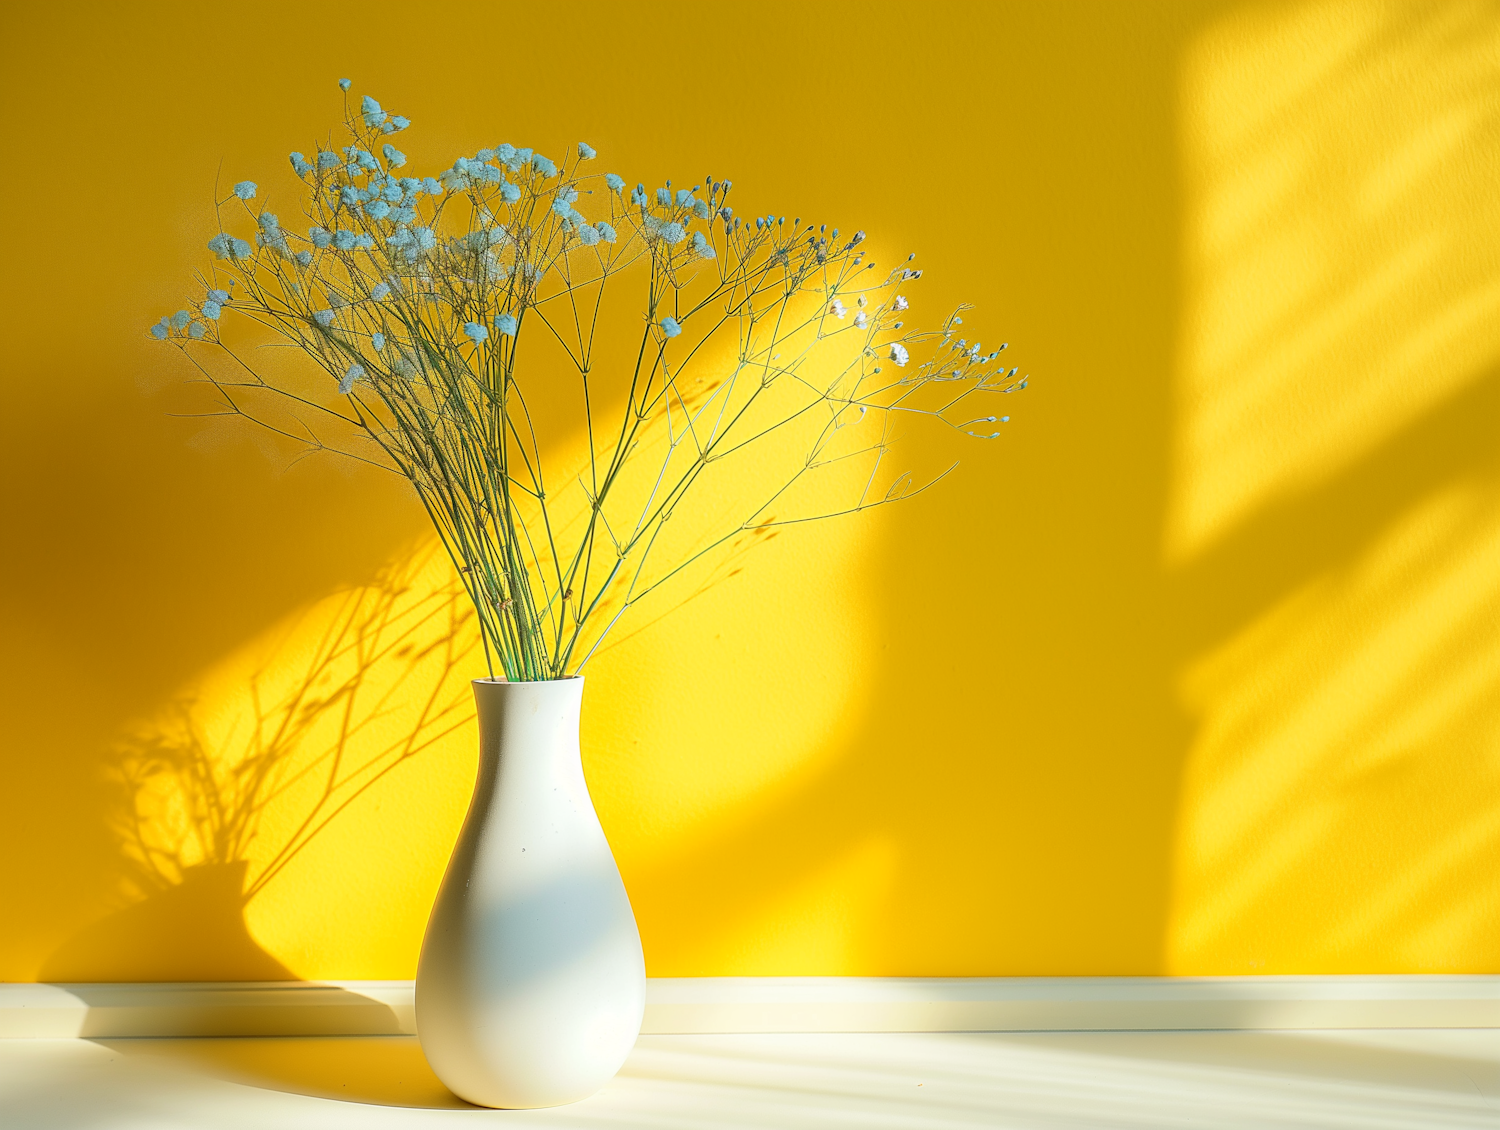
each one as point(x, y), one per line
point(493, 682)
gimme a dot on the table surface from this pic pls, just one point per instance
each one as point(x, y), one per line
point(1419, 1078)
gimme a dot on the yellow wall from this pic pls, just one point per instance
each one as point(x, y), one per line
point(1196, 671)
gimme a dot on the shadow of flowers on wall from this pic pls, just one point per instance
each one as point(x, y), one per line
point(227, 788)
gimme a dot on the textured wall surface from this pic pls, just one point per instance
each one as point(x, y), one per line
point(1196, 670)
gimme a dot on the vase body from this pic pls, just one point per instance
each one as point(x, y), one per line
point(531, 985)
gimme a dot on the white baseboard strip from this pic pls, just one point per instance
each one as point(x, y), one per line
point(787, 1004)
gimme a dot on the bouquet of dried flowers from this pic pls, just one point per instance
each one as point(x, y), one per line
point(417, 299)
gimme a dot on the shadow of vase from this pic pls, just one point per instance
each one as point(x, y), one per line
point(192, 931)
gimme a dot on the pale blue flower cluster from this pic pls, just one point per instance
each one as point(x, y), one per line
point(606, 233)
point(506, 324)
point(352, 374)
point(614, 183)
point(379, 291)
point(670, 327)
point(562, 204)
point(586, 152)
point(344, 84)
point(300, 165)
point(475, 332)
point(211, 310)
point(543, 166)
point(393, 156)
point(373, 114)
point(324, 318)
point(638, 195)
point(702, 246)
point(378, 341)
point(227, 247)
point(245, 190)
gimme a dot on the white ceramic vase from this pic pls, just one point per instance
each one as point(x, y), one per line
point(531, 985)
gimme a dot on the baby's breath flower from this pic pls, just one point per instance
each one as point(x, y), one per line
point(586, 152)
point(324, 318)
point(379, 291)
point(664, 197)
point(378, 210)
point(510, 193)
point(475, 332)
point(304, 258)
point(372, 112)
point(702, 246)
point(543, 166)
point(606, 233)
point(505, 324)
point(674, 234)
point(638, 195)
point(211, 310)
point(179, 320)
point(860, 320)
point(344, 84)
point(196, 331)
point(160, 331)
point(378, 341)
point(344, 240)
point(588, 236)
point(327, 159)
point(399, 122)
point(837, 309)
point(300, 165)
point(431, 186)
point(245, 190)
point(613, 182)
point(670, 327)
point(900, 304)
point(219, 296)
point(320, 237)
point(898, 353)
point(393, 156)
point(352, 374)
point(219, 245)
point(701, 209)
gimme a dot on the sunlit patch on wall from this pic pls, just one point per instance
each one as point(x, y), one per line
point(1341, 807)
point(1340, 240)
point(1336, 499)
